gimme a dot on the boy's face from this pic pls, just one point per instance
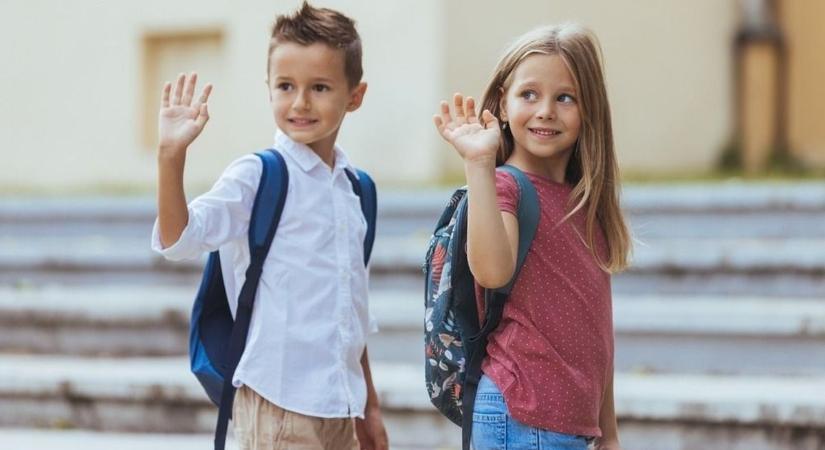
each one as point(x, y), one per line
point(310, 93)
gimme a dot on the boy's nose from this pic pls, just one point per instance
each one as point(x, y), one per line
point(301, 102)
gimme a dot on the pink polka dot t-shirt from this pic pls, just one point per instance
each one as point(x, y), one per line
point(552, 353)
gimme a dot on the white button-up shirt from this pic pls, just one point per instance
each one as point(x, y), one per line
point(310, 320)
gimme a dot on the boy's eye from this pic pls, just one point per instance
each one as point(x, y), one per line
point(529, 95)
point(566, 98)
point(320, 88)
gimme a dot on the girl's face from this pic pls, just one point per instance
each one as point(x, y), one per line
point(542, 111)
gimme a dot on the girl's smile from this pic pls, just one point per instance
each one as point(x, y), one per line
point(541, 108)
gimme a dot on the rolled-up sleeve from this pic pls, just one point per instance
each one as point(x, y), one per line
point(217, 216)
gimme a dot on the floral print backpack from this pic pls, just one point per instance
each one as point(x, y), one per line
point(454, 341)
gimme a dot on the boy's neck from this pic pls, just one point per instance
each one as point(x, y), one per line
point(325, 149)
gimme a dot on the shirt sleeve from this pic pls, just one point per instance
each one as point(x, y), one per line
point(372, 322)
point(507, 192)
point(218, 216)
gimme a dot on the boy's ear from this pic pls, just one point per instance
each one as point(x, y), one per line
point(357, 96)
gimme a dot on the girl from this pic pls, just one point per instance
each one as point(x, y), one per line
point(548, 374)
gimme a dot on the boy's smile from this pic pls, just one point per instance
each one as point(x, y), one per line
point(310, 94)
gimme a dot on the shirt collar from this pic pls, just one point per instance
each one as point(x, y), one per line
point(306, 158)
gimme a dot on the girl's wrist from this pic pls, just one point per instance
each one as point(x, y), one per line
point(480, 165)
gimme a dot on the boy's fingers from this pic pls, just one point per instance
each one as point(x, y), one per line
point(189, 89)
point(458, 100)
point(203, 116)
point(164, 96)
point(178, 89)
point(470, 110)
point(205, 93)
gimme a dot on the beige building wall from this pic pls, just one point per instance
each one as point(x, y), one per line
point(668, 67)
point(80, 82)
point(802, 23)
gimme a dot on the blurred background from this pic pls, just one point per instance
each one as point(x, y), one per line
point(718, 110)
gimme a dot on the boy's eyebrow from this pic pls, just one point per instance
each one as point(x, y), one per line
point(314, 80)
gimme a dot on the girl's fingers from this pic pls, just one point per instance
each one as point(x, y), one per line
point(438, 122)
point(445, 113)
point(164, 96)
point(189, 89)
point(470, 110)
point(488, 119)
point(178, 89)
point(458, 100)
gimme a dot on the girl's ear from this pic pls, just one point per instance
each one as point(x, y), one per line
point(502, 104)
point(357, 96)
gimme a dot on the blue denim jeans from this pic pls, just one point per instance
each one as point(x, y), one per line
point(495, 429)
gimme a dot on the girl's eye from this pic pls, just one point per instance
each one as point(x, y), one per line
point(566, 98)
point(529, 95)
point(320, 88)
point(284, 87)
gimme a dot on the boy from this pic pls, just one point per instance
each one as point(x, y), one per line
point(304, 374)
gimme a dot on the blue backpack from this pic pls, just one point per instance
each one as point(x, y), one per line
point(216, 341)
point(455, 344)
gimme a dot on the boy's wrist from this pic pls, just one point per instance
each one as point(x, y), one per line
point(171, 154)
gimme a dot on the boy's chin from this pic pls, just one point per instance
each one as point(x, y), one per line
point(302, 136)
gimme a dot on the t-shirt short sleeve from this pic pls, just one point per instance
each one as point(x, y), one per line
point(507, 192)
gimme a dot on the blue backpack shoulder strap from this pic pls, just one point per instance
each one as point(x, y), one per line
point(528, 219)
point(364, 188)
point(266, 214)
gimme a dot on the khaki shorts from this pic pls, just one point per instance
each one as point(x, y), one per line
point(260, 425)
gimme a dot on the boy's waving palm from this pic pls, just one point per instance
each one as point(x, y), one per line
point(181, 120)
point(474, 139)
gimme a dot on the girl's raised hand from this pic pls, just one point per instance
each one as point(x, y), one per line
point(475, 140)
point(181, 120)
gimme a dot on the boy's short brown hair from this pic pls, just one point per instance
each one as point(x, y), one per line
point(311, 25)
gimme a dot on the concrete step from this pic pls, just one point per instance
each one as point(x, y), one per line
point(753, 335)
point(49, 439)
point(159, 395)
point(673, 257)
point(637, 198)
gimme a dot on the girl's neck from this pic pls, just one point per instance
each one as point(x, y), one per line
point(553, 168)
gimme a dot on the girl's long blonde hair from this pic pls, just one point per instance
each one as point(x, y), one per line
point(592, 169)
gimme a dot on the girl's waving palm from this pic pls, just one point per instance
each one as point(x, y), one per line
point(474, 139)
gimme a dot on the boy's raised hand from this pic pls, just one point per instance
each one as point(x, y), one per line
point(475, 140)
point(181, 120)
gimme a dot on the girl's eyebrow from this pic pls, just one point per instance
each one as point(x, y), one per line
point(531, 83)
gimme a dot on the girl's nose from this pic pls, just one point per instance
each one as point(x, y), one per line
point(547, 111)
